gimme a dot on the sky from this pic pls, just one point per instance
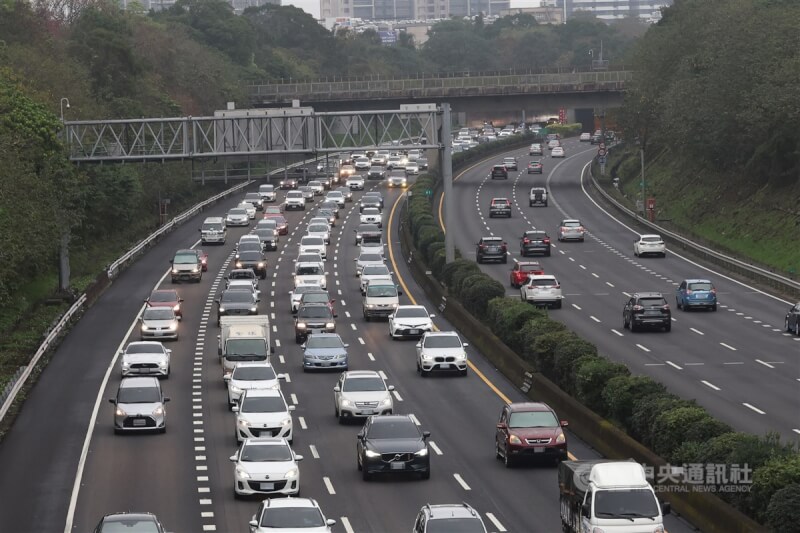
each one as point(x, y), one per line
point(312, 6)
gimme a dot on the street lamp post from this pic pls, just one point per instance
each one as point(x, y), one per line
point(63, 249)
point(63, 100)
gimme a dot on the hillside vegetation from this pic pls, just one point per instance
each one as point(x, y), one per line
point(716, 104)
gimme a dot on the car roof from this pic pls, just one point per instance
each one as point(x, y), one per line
point(444, 511)
point(535, 232)
point(648, 295)
point(164, 291)
point(642, 236)
point(355, 374)
point(440, 333)
point(265, 441)
point(570, 220)
point(139, 381)
point(123, 516)
point(542, 276)
point(251, 364)
point(529, 406)
point(529, 264)
point(289, 502)
point(697, 280)
point(326, 335)
point(500, 199)
point(412, 307)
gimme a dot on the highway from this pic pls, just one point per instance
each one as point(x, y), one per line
point(63, 468)
point(738, 362)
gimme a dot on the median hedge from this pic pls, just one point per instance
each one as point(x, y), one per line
point(678, 430)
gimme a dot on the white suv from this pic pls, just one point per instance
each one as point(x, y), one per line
point(295, 200)
point(263, 413)
point(410, 321)
point(361, 393)
point(441, 350)
point(542, 289)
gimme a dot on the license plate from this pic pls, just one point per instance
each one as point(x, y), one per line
point(267, 486)
point(139, 422)
point(446, 365)
point(414, 332)
point(368, 412)
point(398, 466)
point(538, 450)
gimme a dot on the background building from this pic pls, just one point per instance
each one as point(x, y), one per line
point(611, 9)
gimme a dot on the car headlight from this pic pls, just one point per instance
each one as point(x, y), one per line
point(427, 357)
point(301, 325)
point(126, 365)
point(561, 438)
point(461, 356)
point(145, 327)
point(195, 270)
point(221, 309)
point(173, 327)
point(290, 474)
point(386, 402)
point(370, 306)
point(238, 264)
point(158, 411)
point(162, 364)
point(330, 325)
point(370, 453)
point(286, 422)
point(422, 453)
point(242, 473)
point(243, 422)
point(236, 389)
point(174, 270)
point(120, 412)
point(254, 309)
point(261, 265)
point(176, 307)
point(347, 403)
point(513, 439)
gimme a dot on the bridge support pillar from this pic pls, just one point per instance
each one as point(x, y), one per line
point(445, 144)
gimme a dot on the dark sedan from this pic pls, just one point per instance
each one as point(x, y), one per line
point(535, 167)
point(269, 238)
point(792, 323)
point(534, 242)
point(254, 260)
point(236, 302)
point(392, 444)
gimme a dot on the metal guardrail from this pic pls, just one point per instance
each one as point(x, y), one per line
point(762, 275)
point(19, 379)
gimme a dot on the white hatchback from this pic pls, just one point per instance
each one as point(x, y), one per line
point(266, 467)
point(251, 375)
point(312, 245)
point(649, 245)
point(263, 413)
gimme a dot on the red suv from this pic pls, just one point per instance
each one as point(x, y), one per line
point(166, 298)
point(521, 271)
point(530, 430)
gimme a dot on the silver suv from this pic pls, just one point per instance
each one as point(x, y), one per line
point(139, 405)
point(362, 393)
point(454, 517)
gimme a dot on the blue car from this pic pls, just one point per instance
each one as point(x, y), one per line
point(694, 293)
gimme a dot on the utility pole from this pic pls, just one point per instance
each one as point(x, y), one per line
point(641, 151)
point(445, 148)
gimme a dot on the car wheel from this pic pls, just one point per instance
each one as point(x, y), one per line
point(505, 260)
point(463, 372)
point(236, 495)
point(424, 373)
point(624, 323)
point(117, 431)
point(366, 317)
point(530, 204)
point(714, 307)
point(635, 253)
point(668, 328)
point(497, 453)
point(797, 328)
point(786, 325)
point(633, 326)
point(426, 474)
point(678, 303)
point(507, 459)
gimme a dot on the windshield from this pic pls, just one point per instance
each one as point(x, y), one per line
point(249, 246)
point(324, 342)
point(651, 239)
point(266, 188)
point(701, 286)
point(370, 258)
point(237, 297)
point(382, 291)
point(145, 348)
point(411, 312)
point(399, 428)
point(533, 419)
point(267, 224)
point(630, 503)
point(302, 289)
point(263, 404)
point(314, 311)
point(312, 241)
point(371, 211)
point(158, 313)
point(242, 274)
point(185, 259)
point(652, 302)
point(294, 194)
point(237, 212)
point(455, 525)
point(254, 373)
point(442, 341)
point(246, 350)
point(318, 228)
point(138, 395)
point(164, 296)
point(212, 227)
point(316, 297)
point(376, 270)
point(292, 518)
point(129, 525)
point(309, 270)
point(250, 256)
point(269, 452)
point(572, 224)
point(363, 385)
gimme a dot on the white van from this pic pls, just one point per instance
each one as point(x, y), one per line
point(267, 193)
point(213, 230)
point(381, 298)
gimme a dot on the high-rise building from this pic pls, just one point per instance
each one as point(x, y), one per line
point(610, 9)
point(470, 8)
point(410, 9)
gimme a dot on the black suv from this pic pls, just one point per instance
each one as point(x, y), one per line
point(500, 207)
point(792, 323)
point(491, 248)
point(647, 309)
point(236, 302)
point(254, 260)
point(392, 443)
point(499, 171)
point(534, 242)
point(313, 318)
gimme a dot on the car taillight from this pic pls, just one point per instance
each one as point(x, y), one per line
point(665, 307)
point(638, 308)
point(557, 286)
point(580, 228)
point(688, 291)
point(526, 240)
point(546, 241)
point(713, 291)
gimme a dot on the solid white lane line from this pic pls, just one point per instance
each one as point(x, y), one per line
point(707, 384)
point(328, 485)
point(756, 409)
point(435, 448)
point(496, 522)
point(734, 363)
point(461, 482)
point(764, 363)
point(697, 331)
point(346, 524)
point(673, 365)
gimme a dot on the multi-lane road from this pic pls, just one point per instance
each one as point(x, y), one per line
point(63, 467)
point(739, 363)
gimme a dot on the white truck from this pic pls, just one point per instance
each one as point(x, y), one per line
point(608, 496)
point(243, 338)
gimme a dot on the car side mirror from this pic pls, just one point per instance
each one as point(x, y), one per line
point(666, 508)
point(466, 344)
point(330, 522)
point(426, 434)
point(235, 408)
point(226, 377)
point(564, 423)
point(586, 510)
point(112, 401)
point(253, 523)
point(180, 299)
point(347, 345)
point(303, 346)
point(233, 457)
point(170, 261)
point(360, 434)
point(433, 316)
point(298, 457)
point(166, 399)
point(291, 407)
point(337, 388)
point(501, 425)
point(390, 388)
point(335, 315)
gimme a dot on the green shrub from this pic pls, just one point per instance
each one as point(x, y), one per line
point(539, 325)
point(544, 347)
point(438, 263)
point(621, 393)
point(427, 236)
point(460, 275)
point(507, 316)
point(451, 268)
point(476, 296)
point(645, 411)
point(590, 379)
point(418, 220)
point(565, 357)
point(431, 251)
point(684, 424)
point(688, 452)
point(781, 514)
point(769, 479)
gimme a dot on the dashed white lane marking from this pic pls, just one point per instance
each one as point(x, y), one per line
point(461, 482)
point(707, 384)
point(727, 346)
point(595, 319)
point(493, 519)
point(294, 398)
point(768, 365)
point(697, 331)
point(576, 307)
point(346, 524)
point(353, 326)
point(796, 431)
point(643, 348)
point(371, 357)
point(287, 378)
point(281, 359)
point(314, 452)
point(414, 419)
point(302, 421)
point(347, 314)
point(617, 333)
point(397, 396)
point(754, 408)
point(673, 365)
point(328, 485)
point(435, 448)
point(361, 341)
point(609, 284)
